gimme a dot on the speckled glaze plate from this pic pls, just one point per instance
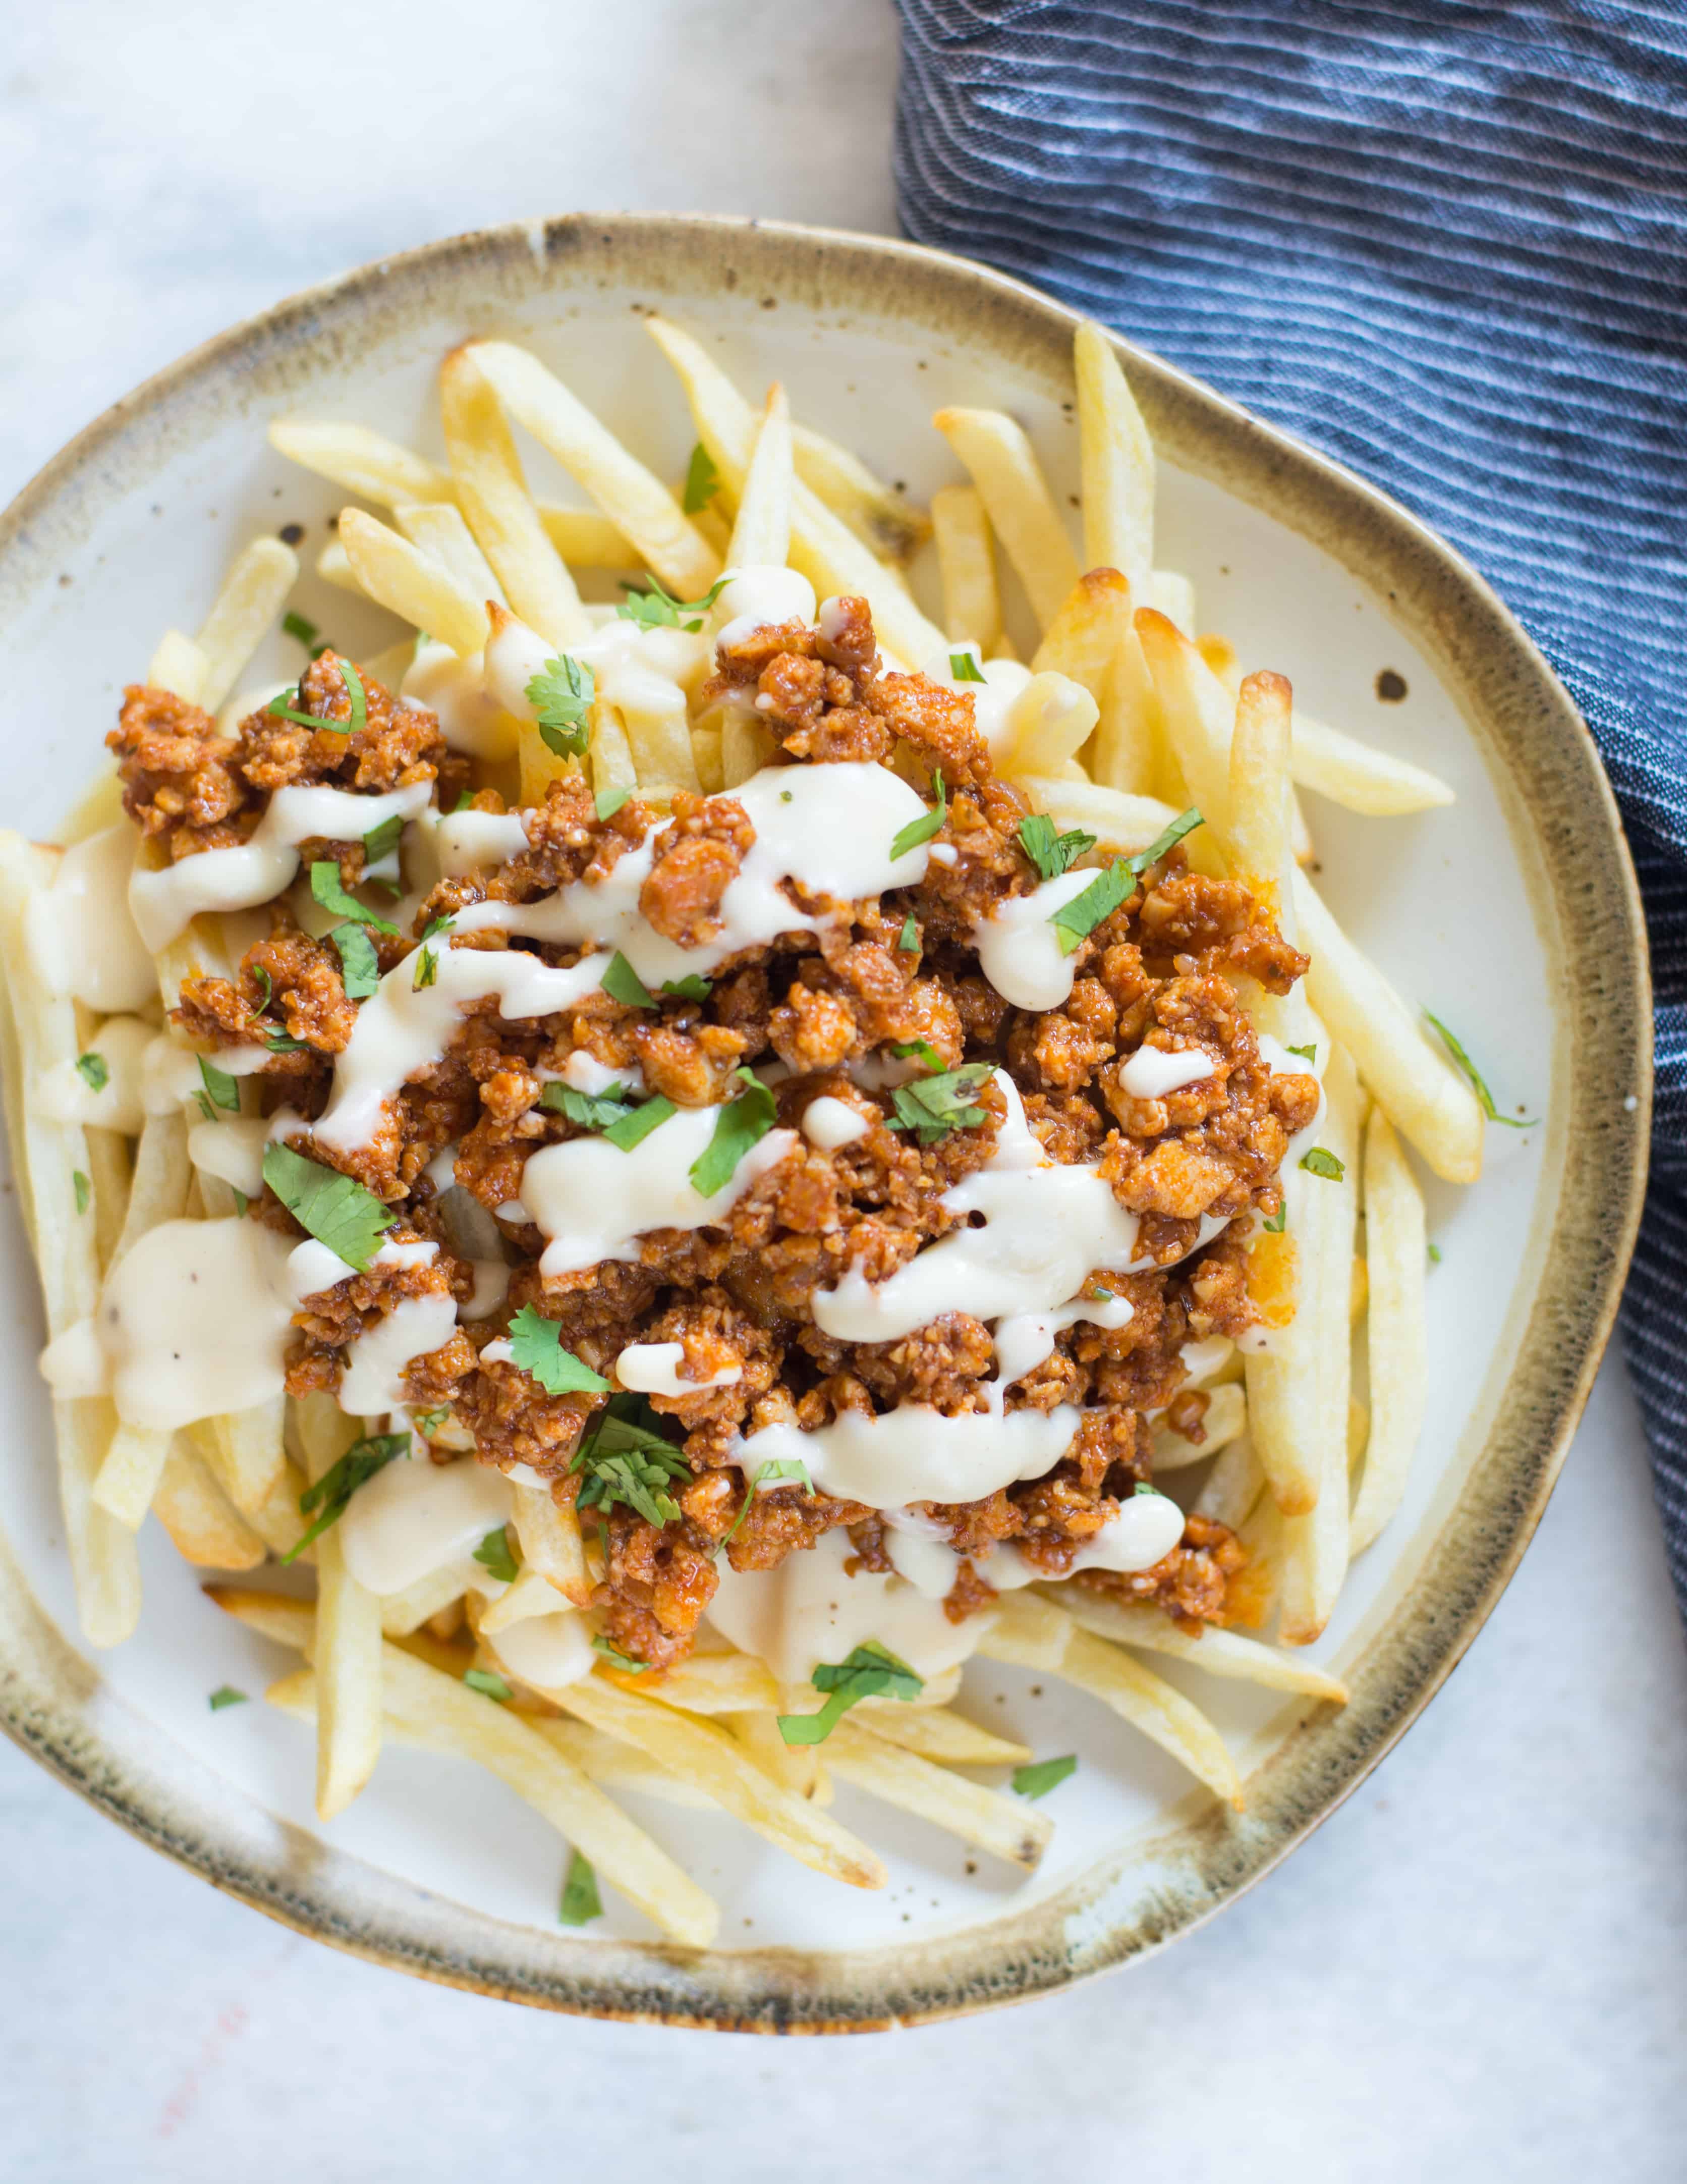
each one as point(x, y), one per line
point(1514, 916)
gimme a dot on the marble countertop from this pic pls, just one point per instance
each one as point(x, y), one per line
point(1477, 1969)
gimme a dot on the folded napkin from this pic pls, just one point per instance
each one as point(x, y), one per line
point(1447, 242)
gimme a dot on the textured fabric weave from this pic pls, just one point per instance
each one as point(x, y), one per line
point(1447, 242)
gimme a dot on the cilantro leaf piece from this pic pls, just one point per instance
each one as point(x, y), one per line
point(380, 841)
point(741, 1123)
point(592, 1111)
point(623, 1458)
point(430, 1421)
point(965, 668)
point(488, 1684)
point(260, 979)
point(561, 695)
point(790, 1467)
point(333, 1208)
point(1043, 1775)
point(1168, 838)
point(333, 1492)
point(1434, 1250)
point(93, 1071)
point(702, 481)
point(932, 1107)
point(1477, 1082)
point(923, 828)
point(1305, 1053)
point(658, 609)
point(227, 1696)
point(426, 972)
point(536, 1346)
point(83, 1189)
point(297, 626)
point(624, 1662)
point(608, 801)
point(465, 802)
point(905, 1050)
point(494, 1556)
point(908, 938)
point(1276, 1222)
point(693, 987)
point(1051, 853)
point(632, 1130)
point(622, 984)
point(221, 1089)
point(1320, 1160)
point(283, 1042)
point(324, 885)
point(1075, 921)
point(241, 1200)
point(871, 1671)
point(278, 710)
point(580, 1902)
point(353, 682)
point(360, 968)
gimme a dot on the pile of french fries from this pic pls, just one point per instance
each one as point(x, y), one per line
point(1128, 718)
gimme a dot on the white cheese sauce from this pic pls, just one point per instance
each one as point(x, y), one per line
point(468, 844)
point(1019, 950)
point(759, 595)
point(163, 902)
point(652, 1368)
point(78, 931)
point(913, 1453)
point(374, 1377)
point(471, 718)
point(828, 1124)
point(64, 1094)
point(992, 698)
point(414, 1515)
point(546, 1652)
point(1151, 1071)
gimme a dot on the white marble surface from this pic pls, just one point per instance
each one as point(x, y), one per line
point(1477, 1970)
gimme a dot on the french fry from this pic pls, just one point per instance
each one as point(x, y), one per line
point(1007, 1828)
point(761, 530)
point(966, 563)
point(1117, 820)
point(530, 1593)
point(745, 745)
point(129, 1476)
point(1315, 1550)
point(159, 1191)
point(436, 528)
point(1396, 1259)
point(1234, 1484)
point(1000, 461)
point(1258, 841)
point(1359, 777)
point(1173, 596)
point(99, 806)
point(274, 1615)
point(1220, 1653)
point(1198, 712)
point(250, 1455)
point(275, 1517)
point(204, 1526)
point(709, 1682)
point(937, 1734)
point(890, 526)
point(401, 1612)
point(365, 462)
point(334, 566)
point(1048, 723)
point(1116, 457)
point(1083, 636)
point(822, 546)
point(636, 501)
point(348, 1648)
point(587, 539)
point(412, 583)
point(613, 1765)
point(110, 1172)
point(178, 666)
point(549, 1532)
point(252, 593)
point(38, 1030)
point(1226, 1416)
point(796, 1768)
point(493, 496)
point(708, 1758)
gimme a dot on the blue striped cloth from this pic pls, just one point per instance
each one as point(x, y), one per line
point(1445, 241)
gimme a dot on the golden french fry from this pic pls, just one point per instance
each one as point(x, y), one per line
point(530, 1593)
point(967, 561)
point(587, 539)
point(1173, 596)
point(1002, 466)
point(403, 1612)
point(110, 1172)
point(367, 463)
point(1006, 1827)
point(611, 752)
point(613, 1765)
point(1360, 1294)
point(1117, 820)
point(178, 666)
point(937, 1734)
point(1359, 777)
point(252, 593)
point(1258, 843)
point(549, 1532)
point(412, 583)
point(1048, 723)
point(1234, 1484)
point(879, 516)
point(159, 1191)
point(761, 530)
point(274, 1615)
point(493, 496)
point(275, 1516)
point(130, 1475)
point(204, 1526)
point(1226, 1418)
point(1117, 462)
point(709, 1683)
point(346, 1649)
point(1220, 1653)
point(1085, 635)
point(796, 1768)
point(1396, 1258)
point(436, 528)
point(334, 566)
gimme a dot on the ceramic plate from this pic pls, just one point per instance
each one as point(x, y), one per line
point(1514, 916)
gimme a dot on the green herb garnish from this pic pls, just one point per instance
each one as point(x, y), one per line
point(1043, 1775)
point(308, 634)
point(334, 1490)
point(932, 1107)
point(83, 1189)
point(608, 801)
point(227, 1696)
point(430, 1421)
point(221, 1089)
point(380, 841)
point(561, 695)
point(1477, 1083)
point(580, 1902)
point(741, 1123)
point(283, 1042)
point(965, 668)
point(592, 1111)
point(791, 1467)
point(494, 1556)
point(1051, 853)
point(536, 1346)
point(624, 1662)
point(693, 987)
point(333, 1208)
point(622, 984)
point(93, 1070)
point(1434, 1255)
point(1075, 921)
point(871, 1671)
point(241, 1200)
point(1305, 1053)
point(1279, 1221)
point(922, 829)
point(702, 481)
point(1320, 1160)
point(326, 886)
point(488, 1684)
point(909, 939)
point(909, 1049)
point(625, 1459)
point(427, 959)
point(632, 1130)
point(359, 967)
point(658, 609)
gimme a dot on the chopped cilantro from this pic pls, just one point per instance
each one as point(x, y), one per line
point(380, 841)
point(693, 987)
point(909, 939)
point(1076, 920)
point(355, 722)
point(1279, 1221)
point(1305, 1053)
point(632, 1130)
point(260, 979)
point(965, 668)
point(923, 828)
point(488, 1684)
point(494, 1556)
point(580, 1902)
point(932, 1107)
point(592, 1111)
point(430, 1421)
point(326, 886)
point(353, 682)
point(1320, 1160)
point(791, 1467)
point(657, 609)
point(741, 1123)
point(624, 1662)
point(869, 1672)
point(307, 633)
point(221, 1089)
point(608, 801)
point(427, 959)
point(465, 802)
point(333, 1491)
point(561, 695)
point(93, 1071)
point(1043, 1775)
point(227, 1696)
point(1477, 1082)
point(906, 1050)
point(1434, 1255)
point(622, 984)
point(702, 481)
point(536, 1346)
point(283, 1042)
point(333, 1208)
point(360, 968)
point(1185, 823)
point(624, 1458)
point(1051, 853)
point(83, 1189)
point(241, 1200)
